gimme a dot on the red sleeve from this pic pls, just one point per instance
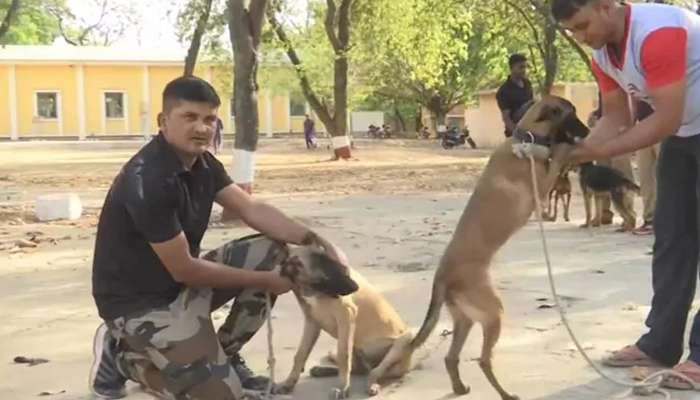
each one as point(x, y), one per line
point(605, 82)
point(664, 56)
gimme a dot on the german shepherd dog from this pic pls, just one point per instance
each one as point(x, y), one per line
point(599, 182)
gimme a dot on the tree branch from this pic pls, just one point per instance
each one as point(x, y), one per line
point(64, 33)
point(530, 23)
point(320, 108)
point(83, 35)
point(542, 9)
point(330, 26)
point(7, 21)
point(256, 14)
point(344, 24)
point(195, 44)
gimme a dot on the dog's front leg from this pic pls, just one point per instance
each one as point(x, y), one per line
point(308, 340)
point(346, 316)
point(560, 155)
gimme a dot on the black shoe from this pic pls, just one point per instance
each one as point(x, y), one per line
point(248, 379)
point(106, 380)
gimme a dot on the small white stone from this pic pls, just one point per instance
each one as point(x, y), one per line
point(55, 206)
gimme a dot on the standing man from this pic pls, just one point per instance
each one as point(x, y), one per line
point(647, 159)
point(652, 52)
point(309, 132)
point(514, 92)
point(153, 291)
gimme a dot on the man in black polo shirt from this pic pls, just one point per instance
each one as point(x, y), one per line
point(151, 288)
point(514, 92)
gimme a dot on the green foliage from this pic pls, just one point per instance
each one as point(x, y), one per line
point(431, 52)
point(215, 40)
point(33, 23)
point(436, 53)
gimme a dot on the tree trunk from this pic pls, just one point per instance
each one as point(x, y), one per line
point(338, 31)
point(551, 57)
point(195, 44)
point(544, 11)
point(7, 21)
point(438, 110)
point(335, 118)
point(245, 28)
point(399, 118)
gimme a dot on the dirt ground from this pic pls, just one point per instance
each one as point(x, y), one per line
point(392, 210)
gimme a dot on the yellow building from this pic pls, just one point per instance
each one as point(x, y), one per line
point(483, 118)
point(82, 92)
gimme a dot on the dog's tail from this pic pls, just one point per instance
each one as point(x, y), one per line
point(618, 194)
point(632, 187)
point(437, 299)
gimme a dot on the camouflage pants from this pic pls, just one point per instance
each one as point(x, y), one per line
point(174, 351)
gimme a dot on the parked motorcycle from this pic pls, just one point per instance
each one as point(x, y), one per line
point(452, 138)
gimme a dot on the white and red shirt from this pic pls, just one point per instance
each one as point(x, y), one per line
point(661, 46)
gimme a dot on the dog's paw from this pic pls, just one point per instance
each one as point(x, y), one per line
point(460, 389)
point(338, 394)
point(285, 387)
point(373, 389)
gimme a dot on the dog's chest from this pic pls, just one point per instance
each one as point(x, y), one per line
point(321, 311)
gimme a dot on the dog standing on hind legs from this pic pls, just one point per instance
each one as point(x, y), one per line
point(502, 202)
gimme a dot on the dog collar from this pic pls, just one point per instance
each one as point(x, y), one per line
point(525, 136)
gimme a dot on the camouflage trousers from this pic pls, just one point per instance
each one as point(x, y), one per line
point(175, 353)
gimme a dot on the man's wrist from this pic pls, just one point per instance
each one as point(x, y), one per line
point(309, 238)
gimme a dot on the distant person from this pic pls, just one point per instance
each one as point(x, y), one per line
point(218, 135)
point(309, 132)
point(514, 92)
point(468, 138)
point(424, 133)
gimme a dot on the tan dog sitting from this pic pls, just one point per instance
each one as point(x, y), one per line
point(502, 202)
point(338, 300)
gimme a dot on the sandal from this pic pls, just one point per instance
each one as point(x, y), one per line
point(689, 369)
point(644, 230)
point(629, 356)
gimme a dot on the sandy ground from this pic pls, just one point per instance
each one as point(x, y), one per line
point(392, 210)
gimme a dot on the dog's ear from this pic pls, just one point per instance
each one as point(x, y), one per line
point(573, 127)
point(549, 113)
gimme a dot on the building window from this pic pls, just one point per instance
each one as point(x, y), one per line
point(297, 105)
point(114, 105)
point(47, 105)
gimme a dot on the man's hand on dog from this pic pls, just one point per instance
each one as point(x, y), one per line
point(333, 251)
point(276, 284)
point(586, 151)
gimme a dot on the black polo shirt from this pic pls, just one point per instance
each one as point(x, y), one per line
point(152, 199)
point(511, 97)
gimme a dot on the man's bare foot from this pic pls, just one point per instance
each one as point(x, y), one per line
point(629, 356)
